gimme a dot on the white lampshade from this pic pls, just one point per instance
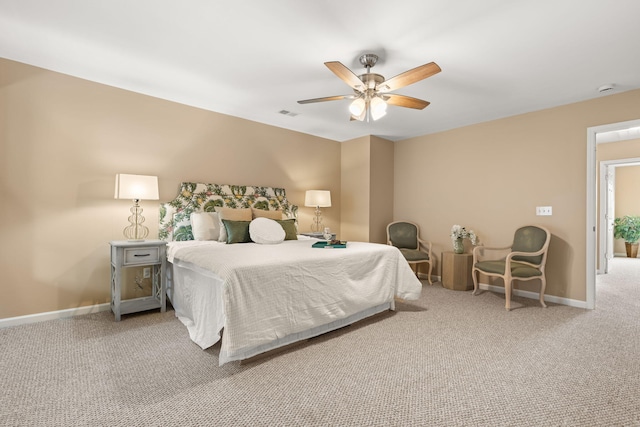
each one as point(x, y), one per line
point(317, 198)
point(378, 108)
point(136, 187)
point(357, 107)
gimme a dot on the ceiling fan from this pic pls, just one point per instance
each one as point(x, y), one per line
point(371, 90)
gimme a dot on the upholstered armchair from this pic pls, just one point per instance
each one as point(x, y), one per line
point(524, 260)
point(406, 237)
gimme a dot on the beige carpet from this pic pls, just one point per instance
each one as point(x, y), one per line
point(449, 359)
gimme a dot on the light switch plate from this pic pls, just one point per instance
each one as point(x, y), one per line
point(543, 210)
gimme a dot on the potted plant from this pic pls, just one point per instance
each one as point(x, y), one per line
point(628, 229)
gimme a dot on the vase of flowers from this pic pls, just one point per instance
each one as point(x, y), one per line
point(458, 234)
point(458, 246)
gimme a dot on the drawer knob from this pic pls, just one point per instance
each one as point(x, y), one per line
point(141, 254)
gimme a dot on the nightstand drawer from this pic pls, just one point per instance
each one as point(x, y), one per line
point(141, 255)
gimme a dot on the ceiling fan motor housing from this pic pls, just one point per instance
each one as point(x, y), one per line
point(371, 80)
point(368, 60)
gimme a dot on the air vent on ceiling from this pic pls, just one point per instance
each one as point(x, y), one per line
point(288, 113)
point(605, 88)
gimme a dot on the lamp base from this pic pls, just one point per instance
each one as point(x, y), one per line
point(136, 232)
point(316, 226)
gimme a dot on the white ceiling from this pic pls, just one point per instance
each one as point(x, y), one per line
point(254, 58)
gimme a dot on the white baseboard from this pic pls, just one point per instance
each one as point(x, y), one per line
point(63, 314)
point(621, 255)
point(52, 315)
point(535, 295)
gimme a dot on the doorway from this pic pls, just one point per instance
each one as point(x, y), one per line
point(592, 226)
point(606, 211)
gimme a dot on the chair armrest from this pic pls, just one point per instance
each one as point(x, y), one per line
point(512, 254)
point(425, 244)
point(479, 252)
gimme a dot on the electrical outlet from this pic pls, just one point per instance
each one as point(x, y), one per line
point(146, 272)
point(543, 211)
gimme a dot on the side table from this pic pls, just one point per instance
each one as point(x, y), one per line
point(456, 271)
point(318, 235)
point(126, 254)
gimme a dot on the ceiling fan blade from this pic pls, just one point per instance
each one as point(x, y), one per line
point(409, 77)
point(345, 74)
point(326, 98)
point(405, 101)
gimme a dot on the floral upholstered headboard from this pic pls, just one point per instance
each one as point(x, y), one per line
point(175, 216)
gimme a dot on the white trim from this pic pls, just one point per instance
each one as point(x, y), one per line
point(535, 295)
point(591, 203)
point(53, 315)
point(606, 202)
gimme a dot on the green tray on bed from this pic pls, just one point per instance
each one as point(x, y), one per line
point(329, 245)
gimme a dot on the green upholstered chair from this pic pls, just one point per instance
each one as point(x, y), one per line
point(524, 260)
point(406, 237)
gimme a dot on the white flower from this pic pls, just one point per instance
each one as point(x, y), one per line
point(459, 232)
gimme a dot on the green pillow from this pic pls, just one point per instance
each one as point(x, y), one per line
point(289, 226)
point(237, 231)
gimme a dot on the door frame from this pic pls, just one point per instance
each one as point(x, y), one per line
point(607, 204)
point(591, 228)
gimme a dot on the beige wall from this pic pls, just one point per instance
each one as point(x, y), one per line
point(355, 167)
point(491, 176)
point(627, 198)
point(367, 189)
point(380, 189)
point(63, 139)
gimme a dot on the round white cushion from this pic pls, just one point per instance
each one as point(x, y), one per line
point(266, 231)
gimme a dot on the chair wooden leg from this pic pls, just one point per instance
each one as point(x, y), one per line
point(429, 274)
point(507, 293)
point(474, 276)
point(543, 285)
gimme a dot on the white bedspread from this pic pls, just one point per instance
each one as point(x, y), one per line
point(265, 294)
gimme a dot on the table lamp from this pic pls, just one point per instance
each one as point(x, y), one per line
point(136, 188)
point(318, 199)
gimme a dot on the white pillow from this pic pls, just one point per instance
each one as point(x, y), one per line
point(266, 231)
point(205, 226)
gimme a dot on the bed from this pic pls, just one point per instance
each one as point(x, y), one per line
point(256, 297)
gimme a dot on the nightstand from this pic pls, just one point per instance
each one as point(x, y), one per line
point(126, 254)
point(318, 235)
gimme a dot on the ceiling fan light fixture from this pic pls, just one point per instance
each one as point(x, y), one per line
point(372, 89)
point(357, 107)
point(375, 116)
point(378, 108)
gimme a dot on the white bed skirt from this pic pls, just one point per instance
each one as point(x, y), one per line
point(210, 336)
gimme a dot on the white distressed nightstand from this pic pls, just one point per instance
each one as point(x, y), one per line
point(125, 254)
